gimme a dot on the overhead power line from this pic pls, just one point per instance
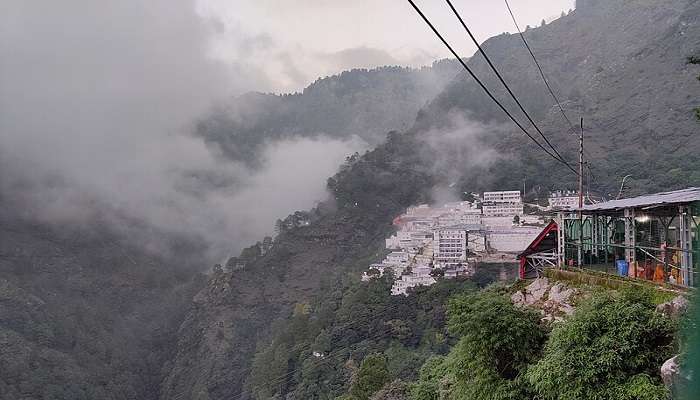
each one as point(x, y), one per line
point(481, 84)
point(546, 82)
point(500, 78)
point(544, 78)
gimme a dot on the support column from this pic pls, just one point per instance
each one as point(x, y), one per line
point(579, 253)
point(686, 245)
point(595, 236)
point(561, 242)
point(630, 237)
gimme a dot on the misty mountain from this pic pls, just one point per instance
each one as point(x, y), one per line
point(621, 64)
point(90, 306)
point(85, 313)
point(362, 103)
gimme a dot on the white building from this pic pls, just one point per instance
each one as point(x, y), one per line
point(408, 239)
point(443, 237)
point(457, 271)
point(397, 257)
point(563, 200)
point(467, 213)
point(512, 196)
point(420, 276)
point(503, 209)
point(502, 204)
point(471, 217)
point(450, 246)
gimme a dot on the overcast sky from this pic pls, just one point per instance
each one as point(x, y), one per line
point(284, 45)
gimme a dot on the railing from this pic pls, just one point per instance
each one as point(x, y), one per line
point(654, 264)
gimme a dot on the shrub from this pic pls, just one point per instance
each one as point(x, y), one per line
point(612, 348)
point(497, 342)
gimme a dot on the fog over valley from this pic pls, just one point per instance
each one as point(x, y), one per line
point(316, 199)
point(99, 107)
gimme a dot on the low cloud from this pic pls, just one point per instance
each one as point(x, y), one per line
point(455, 150)
point(96, 113)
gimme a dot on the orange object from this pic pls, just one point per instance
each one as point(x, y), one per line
point(649, 271)
point(659, 273)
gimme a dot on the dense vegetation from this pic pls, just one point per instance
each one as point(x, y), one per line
point(85, 314)
point(611, 348)
point(354, 341)
point(456, 341)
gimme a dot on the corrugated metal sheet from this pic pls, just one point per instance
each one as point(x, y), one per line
point(684, 196)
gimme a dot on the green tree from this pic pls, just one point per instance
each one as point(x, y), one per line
point(372, 376)
point(497, 342)
point(612, 348)
point(268, 366)
point(432, 374)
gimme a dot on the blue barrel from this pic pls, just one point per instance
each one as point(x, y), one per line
point(622, 267)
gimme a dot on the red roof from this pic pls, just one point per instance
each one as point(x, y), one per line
point(533, 247)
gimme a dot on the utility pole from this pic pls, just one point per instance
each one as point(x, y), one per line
point(580, 171)
point(580, 194)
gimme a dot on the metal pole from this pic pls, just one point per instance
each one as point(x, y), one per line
point(580, 171)
point(580, 194)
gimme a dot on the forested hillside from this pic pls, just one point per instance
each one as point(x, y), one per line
point(362, 103)
point(623, 66)
point(458, 340)
point(630, 79)
point(229, 315)
point(84, 312)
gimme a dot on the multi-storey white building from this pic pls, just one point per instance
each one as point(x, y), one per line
point(503, 209)
point(450, 246)
point(511, 196)
point(502, 204)
point(563, 200)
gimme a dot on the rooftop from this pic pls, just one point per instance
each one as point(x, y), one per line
point(461, 227)
point(684, 196)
